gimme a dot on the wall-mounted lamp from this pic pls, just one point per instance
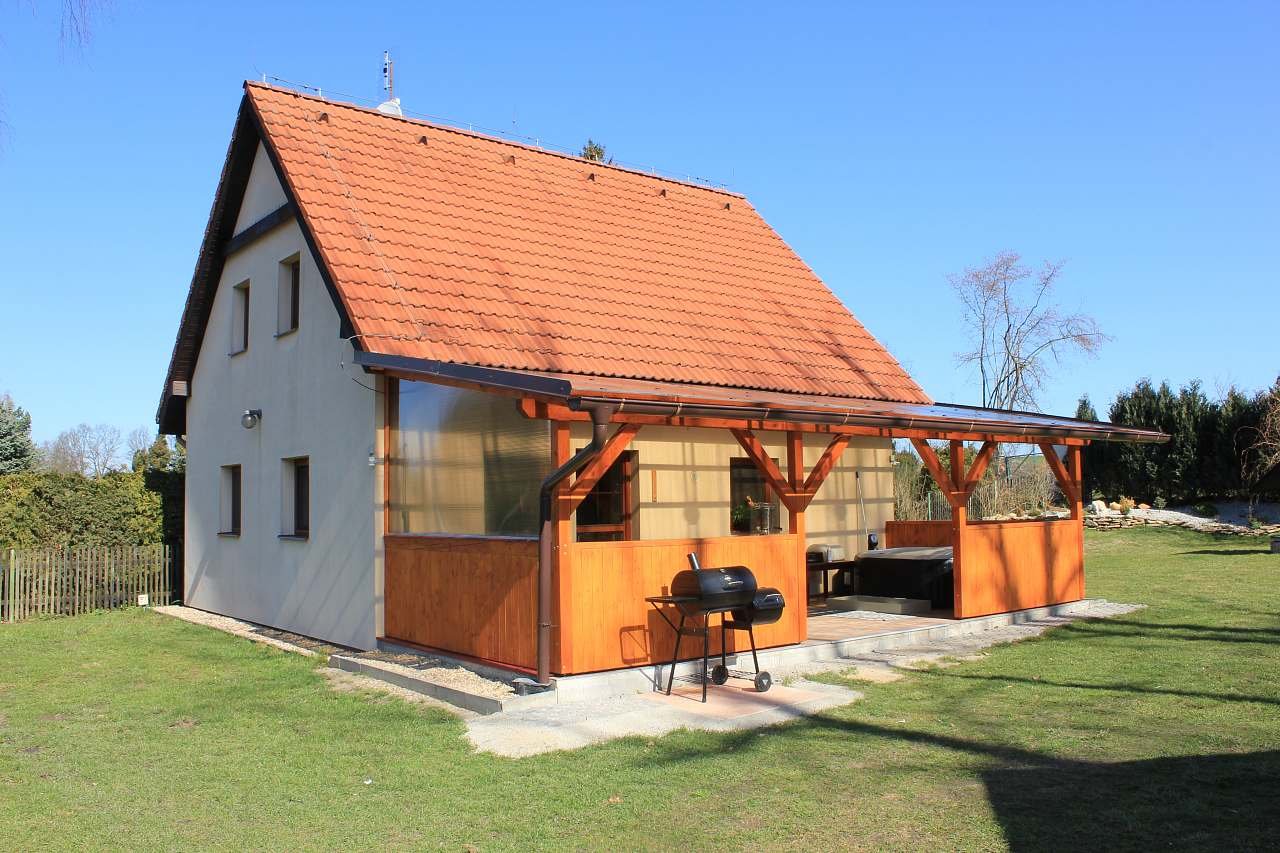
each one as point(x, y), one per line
point(250, 418)
point(373, 459)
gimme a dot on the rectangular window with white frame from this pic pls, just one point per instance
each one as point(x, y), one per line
point(240, 318)
point(288, 295)
point(295, 510)
point(231, 502)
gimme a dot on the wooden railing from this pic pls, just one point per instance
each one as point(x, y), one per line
point(921, 534)
point(471, 595)
point(604, 622)
point(71, 581)
point(1012, 565)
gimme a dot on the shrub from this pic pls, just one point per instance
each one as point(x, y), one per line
point(48, 509)
point(1125, 505)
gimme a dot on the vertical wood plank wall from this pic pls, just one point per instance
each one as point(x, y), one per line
point(474, 596)
point(1013, 565)
point(608, 624)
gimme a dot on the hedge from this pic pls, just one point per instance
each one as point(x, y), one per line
point(48, 509)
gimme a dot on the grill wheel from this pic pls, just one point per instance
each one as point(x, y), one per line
point(763, 682)
point(719, 674)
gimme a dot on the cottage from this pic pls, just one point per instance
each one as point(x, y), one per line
point(483, 398)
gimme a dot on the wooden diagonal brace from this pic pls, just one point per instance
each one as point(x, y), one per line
point(769, 469)
point(933, 465)
point(979, 467)
point(596, 468)
point(825, 465)
point(1070, 488)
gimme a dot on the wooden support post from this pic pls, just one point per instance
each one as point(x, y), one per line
point(959, 521)
point(795, 479)
point(561, 570)
point(1075, 471)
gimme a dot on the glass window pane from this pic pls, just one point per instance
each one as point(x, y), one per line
point(465, 462)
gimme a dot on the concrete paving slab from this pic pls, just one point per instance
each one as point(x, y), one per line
point(573, 725)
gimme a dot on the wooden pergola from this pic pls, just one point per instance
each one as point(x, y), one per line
point(599, 619)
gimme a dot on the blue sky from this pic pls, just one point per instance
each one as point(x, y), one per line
point(889, 145)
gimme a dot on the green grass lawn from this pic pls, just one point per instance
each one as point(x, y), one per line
point(1153, 730)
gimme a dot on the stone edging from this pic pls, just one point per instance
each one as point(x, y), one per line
point(1114, 522)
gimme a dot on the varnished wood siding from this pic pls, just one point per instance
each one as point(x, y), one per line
point(1012, 565)
point(470, 595)
point(605, 622)
point(922, 534)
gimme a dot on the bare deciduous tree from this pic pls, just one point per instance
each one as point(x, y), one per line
point(139, 441)
point(89, 450)
point(1264, 453)
point(1017, 331)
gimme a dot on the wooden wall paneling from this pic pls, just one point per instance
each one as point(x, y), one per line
point(470, 595)
point(1013, 565)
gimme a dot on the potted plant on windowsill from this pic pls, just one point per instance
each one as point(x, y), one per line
point(740, 517)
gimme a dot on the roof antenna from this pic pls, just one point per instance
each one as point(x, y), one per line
point(391, 106)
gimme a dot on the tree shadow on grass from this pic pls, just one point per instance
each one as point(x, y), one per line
point(1194, 802)
point(1112, 688)
point(1100, 630)
point(1229, 552)
point(1043, 802)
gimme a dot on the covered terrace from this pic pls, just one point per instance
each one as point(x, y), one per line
point(555, 606)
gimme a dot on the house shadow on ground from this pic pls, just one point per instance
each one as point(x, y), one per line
point(1204, 802)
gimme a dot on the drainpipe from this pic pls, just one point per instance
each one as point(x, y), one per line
point(600, 415)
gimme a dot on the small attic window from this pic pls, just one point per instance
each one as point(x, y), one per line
point(288, 295)
point(240, 318)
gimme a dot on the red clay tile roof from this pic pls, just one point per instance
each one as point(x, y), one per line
point(448, 245)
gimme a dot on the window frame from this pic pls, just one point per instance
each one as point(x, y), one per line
point(289, 296)
point(240, 318)
point(231, 500)
point(770, 497)
point(295, 492)
point(626, 466)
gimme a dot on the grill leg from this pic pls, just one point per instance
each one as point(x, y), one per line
point(706, 652)
point(675, 656)
point(755, 660)
point(723, 660)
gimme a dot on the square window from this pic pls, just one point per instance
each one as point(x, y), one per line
point(230, 511)
point(754, 507)
point(295, 511)
point(240, 318)
point(289, 291)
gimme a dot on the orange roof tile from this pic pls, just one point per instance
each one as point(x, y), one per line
point(449, 245)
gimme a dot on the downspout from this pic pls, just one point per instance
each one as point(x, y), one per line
point(600, 415)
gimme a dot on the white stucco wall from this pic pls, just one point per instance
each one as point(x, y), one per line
point(327, 585)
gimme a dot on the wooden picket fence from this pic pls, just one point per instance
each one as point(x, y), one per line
point(70, 581)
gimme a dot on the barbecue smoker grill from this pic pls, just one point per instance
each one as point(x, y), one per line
point(731, 591)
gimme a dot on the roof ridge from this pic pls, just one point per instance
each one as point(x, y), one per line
point(488, 137)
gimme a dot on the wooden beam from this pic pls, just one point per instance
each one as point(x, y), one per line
point(558, 411)
point(273, 220)
point(979, 467)
point(598, 467)
point(1075, 469)
point(826, 464)
point(1069, 488)
point(934, 466)
point(767, 467)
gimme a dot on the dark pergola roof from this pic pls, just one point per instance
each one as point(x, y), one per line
point(688, 401)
